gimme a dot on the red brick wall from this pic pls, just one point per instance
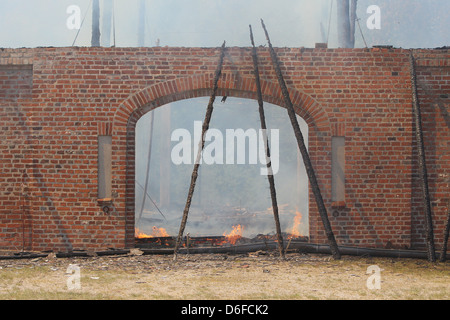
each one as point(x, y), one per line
point(15, 85)
point(16, 81)
point(433, 82)
point(48, 140)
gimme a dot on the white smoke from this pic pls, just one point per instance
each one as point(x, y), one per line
point(207, 23)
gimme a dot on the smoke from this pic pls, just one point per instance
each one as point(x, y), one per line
point(206, 23)
point(226, 194)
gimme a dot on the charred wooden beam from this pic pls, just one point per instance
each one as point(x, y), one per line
point(273, 193)
point(343, 23)
point(304, 152)
point(95, 39)
point(205, 127)
point(446, 235)
point(24, 255)
point(298, 246)
point(72, 254)
point(346, 18)
point(423, 176)
point(353, 5)
point(112, 252)
point(155, 242)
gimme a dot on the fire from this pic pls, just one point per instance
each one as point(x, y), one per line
point(297, 220)
point(156, 232)
point(234, 235)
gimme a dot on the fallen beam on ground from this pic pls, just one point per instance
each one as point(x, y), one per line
point(296, 246)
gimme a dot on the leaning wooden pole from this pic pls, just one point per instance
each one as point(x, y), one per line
point(423, 176)
point(205, 127)
point(273, 193)
point(446, 235)
point(304, 152)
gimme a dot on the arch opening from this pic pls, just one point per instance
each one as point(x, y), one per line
point(232, 195)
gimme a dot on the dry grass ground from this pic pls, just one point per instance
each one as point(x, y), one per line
point(223, 277)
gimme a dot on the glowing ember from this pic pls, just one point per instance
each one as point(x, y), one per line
point(234, 235)
point(156, 232)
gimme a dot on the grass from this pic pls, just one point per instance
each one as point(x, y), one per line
point(243, 278)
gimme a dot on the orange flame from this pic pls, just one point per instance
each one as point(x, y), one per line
point(234, 235)
point(297, 220)
point(156, 232)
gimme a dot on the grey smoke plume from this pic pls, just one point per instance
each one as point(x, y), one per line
point(226, 194)
point(206, 23)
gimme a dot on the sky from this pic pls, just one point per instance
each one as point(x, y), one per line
point(207, 23)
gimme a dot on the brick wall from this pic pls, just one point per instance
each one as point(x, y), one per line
point(433, 82)
point(16, 81)
point(48, 141)
point(15, 86)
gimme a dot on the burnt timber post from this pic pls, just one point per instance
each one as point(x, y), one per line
point(446, 235)
point(273, 193)
point(205, 128)
point(301, 145)
point(423, 176)
point(95, 40)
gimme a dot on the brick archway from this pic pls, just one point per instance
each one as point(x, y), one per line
point(190, 87)
point(131, 110)
point(59, 103)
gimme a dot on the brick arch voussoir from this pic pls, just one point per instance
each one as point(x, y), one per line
point(230, 84)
